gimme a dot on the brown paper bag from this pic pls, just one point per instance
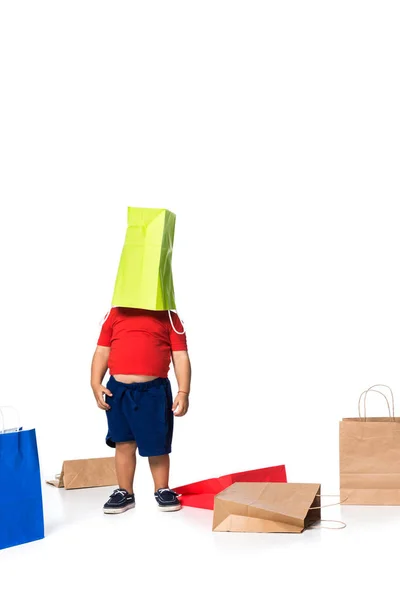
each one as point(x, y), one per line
point(370, 456)
point(85, 473)
point(267, 507)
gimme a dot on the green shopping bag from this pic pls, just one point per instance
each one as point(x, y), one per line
point(144, 278)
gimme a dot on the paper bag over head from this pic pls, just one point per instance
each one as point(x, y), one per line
point(144, 278)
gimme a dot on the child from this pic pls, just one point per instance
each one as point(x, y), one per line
point(136, 346)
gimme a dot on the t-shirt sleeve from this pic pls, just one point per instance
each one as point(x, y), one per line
point(106, 330)
point(177, 341)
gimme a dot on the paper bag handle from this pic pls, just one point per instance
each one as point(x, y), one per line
point(372, 389)
point(341, 524)
point(104, 319)
point(328, 505)
point(2, 429)
point(170, 318)
point(172, 323)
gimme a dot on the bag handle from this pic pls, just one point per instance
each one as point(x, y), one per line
point(170, 318)
point(172, 324)
point(342, 524)
point(328, 505)
point(2, 429)
point(372, 389)
point(104, 319)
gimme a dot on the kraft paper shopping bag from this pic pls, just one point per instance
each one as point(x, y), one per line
point(370, 455)
point(267, 507)
point(86, 473)
point(144, 278)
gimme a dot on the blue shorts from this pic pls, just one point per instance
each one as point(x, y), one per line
point(141, 413)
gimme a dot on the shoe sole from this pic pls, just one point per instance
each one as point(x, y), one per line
point(118, 511)
point(170, 508)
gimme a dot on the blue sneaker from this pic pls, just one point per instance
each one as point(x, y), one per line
point(119, 502)
point(167, 500)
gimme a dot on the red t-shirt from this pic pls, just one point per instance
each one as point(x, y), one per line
point(141, 341)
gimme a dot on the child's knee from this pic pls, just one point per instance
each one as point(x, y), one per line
point(158, 460)
point(126, 448)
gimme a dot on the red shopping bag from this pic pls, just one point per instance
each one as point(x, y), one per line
point(201, 494)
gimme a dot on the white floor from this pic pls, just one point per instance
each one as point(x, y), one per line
point(152, 554)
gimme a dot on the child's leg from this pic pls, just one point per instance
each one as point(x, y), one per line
point(159, 466)
point(125, 464)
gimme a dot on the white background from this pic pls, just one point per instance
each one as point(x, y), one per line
point(272, 130)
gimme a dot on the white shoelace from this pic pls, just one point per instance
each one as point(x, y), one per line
point(118, 492)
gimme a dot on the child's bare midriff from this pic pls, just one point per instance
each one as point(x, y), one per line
point(135, 378)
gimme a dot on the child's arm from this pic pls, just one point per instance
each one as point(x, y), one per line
point(99, 368)
point(183, 373)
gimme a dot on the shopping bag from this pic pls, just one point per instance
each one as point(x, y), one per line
point(201, 494)
point(21, 509)
point(267, 507)
point(370, 455)
point(86, 473)
point(144, 277)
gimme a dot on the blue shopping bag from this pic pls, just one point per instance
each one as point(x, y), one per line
point(21, 508)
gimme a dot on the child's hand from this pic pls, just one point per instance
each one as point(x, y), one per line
point(99, 392)
point(181, 404)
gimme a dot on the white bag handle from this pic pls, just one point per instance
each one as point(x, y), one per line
point(170, 318)
point(104, 319)
point(372, 389)
point(2, 429)
point(172, 324)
